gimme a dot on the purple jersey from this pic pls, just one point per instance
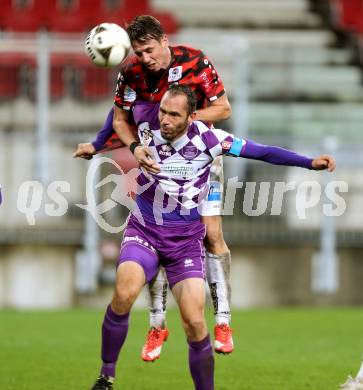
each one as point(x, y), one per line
point(173, 195)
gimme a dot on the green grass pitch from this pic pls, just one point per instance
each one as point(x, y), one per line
point(276, 349)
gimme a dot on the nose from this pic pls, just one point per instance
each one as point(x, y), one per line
point(164, 119)
point(146, 58)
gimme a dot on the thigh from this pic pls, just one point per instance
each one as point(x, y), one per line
point(138, 246)
point(190, 297)
point(130, 278)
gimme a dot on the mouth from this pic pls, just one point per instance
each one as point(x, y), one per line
point(165, 132)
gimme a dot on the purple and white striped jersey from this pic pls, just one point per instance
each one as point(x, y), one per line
point(173, 195)
point(183, 182)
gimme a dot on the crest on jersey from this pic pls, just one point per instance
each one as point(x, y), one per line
point(175, 74)
point(189, 152)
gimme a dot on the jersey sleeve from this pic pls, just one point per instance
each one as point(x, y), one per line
point(220, 142)
point(125, 95)
point(209, 80)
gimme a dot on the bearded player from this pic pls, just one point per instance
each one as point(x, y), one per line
point(146, 76)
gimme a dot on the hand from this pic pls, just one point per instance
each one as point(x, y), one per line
point(145, 158)
point(324, 162)
point(85, 151)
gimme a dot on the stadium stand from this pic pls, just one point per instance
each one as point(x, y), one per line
point(302, 84)
point(297, 73)
point(59, 17)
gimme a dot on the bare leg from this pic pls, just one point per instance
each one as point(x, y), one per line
point(190, 297)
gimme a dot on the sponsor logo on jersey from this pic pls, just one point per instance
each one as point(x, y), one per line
point(205, 79)
point(139, 241)
point(177, 170)
point(129, 94)
point(165, 150)
point(188, 263)
point(189, 152)
point(175, 73)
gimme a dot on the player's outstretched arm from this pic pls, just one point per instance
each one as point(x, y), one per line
point(85, 150)
point(88, 149)
point(236, 147)
point(324, 162)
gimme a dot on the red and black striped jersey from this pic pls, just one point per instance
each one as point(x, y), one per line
point(188, 66)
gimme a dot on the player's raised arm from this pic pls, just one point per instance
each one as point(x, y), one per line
point(230, 145)
point(324, 162)
point(88, 149)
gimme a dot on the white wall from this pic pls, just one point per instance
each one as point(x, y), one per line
point(37, 277)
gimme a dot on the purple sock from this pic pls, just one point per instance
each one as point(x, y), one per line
point(201, 363)
point(114, 331)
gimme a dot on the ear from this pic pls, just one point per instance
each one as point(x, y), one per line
point(192, 117)
point(165, 41)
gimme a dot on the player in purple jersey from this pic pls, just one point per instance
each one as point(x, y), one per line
point(146, 76)
point(165, 227)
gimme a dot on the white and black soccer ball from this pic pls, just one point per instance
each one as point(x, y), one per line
point(107, 45)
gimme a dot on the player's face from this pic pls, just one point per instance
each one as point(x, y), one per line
point(173, 116)
point(154, 54)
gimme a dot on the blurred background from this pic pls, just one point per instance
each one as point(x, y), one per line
point(293, 73)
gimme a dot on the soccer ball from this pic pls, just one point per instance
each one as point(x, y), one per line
point(107, 45)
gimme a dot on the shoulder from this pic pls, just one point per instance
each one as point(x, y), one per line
point(183, 53)
point(197, 129)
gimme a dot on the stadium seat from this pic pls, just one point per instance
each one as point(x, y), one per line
point(349, 14)
point(29, 18)
point(75, 18)
point(9, 81)
point(94, 83)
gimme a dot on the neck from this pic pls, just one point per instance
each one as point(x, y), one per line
point(167, 60)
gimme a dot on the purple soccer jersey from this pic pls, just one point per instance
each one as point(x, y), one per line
point(175, 194)
point(165, 227)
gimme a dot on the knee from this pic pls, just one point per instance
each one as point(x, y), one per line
point(123, 299)
point(195, 328)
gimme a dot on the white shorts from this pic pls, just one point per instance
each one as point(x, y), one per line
point(213, 204)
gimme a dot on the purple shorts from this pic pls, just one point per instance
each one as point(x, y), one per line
point(179, 249)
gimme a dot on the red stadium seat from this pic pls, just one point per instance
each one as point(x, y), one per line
point(79, 16)
point(31, 17)
point(93, 82)
point(10, 73)
point(349, 14)
point(75, 18)
point(9, 81)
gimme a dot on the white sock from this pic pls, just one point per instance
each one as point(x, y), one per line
point(218, 277)
point(360, 373)
point(158, 289)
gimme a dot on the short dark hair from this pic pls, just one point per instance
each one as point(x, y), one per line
point(143, 28)
point(178, 89)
